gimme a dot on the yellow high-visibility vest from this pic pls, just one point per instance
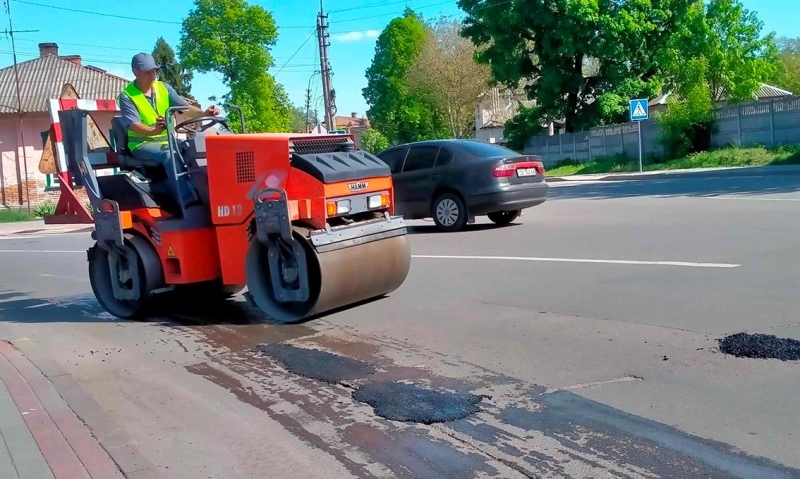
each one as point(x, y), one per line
point(147, 114)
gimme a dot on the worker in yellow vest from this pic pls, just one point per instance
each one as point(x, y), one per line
point(143, 105)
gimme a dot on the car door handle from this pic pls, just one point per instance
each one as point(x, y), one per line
point(435, 177)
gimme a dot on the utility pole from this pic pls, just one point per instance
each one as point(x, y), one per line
point(328, 93)
point(10, 32)
point(308, 108)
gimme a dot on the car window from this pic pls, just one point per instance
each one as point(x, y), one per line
point(483, 149)
point(394, 158)
point(420, 157)
point(444, 158)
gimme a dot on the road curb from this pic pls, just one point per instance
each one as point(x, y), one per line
point(734, 172)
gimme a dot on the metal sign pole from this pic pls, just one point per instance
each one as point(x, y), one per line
point(640, 145)
point(639, 112)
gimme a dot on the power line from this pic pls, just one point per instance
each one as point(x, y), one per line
point(388, 14)
point(313, 31)
point(125, 49)
point(122, 17)
point(419, 8)
point(368, 6)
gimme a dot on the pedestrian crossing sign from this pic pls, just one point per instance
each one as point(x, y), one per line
point(638, 110)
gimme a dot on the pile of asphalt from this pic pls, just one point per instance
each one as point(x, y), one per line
point(408, 403)
point(316, 364)
point(761, 346)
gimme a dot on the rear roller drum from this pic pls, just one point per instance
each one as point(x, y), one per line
point(106, 268)
point(335, 278)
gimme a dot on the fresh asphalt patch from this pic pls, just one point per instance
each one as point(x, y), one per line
point(760, 346)
point(317, 364)
point(409, 403)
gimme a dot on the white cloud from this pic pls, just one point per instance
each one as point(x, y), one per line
point(356, 36)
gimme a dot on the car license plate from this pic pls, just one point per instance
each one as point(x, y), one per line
point(526, 172)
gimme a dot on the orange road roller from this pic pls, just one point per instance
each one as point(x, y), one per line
point(304, 222)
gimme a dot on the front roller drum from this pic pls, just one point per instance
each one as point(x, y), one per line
point(122, 280)
point(336, 278)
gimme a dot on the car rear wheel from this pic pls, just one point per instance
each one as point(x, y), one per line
point(504, 217)
point(449, 212)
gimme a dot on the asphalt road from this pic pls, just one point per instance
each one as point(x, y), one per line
point(589, 327)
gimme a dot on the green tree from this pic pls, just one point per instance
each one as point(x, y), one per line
point(374, 141)
point(686, 126)
point(446, 74)
point(171, 71)
point(721, 46)
point(299, 120)
point(234, 38)
point(549, 46)
point(787, 75)
point(402, 115)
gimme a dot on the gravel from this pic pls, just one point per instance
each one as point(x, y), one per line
point(762, 346)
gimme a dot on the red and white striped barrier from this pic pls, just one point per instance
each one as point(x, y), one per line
point(61, 104)
point(70, 209)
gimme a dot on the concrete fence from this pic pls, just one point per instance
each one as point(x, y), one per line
point(766, 123)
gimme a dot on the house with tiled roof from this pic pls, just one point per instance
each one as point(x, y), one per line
point(764, 92)
point(25, 121)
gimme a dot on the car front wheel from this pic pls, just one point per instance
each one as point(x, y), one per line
point(503, 217)
point(449, 212)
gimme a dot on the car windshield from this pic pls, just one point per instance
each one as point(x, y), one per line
point(486, 149)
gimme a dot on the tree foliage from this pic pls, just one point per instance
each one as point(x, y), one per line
point(171, 71)
point(687, 124)
point(234, 38)
point(548, 45)
point(787, 74)
point(300, 122)
point(401, 114)
point(374, 141)
point(721, 46)
point(447, 76)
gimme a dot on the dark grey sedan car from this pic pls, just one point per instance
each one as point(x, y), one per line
point(453, 181)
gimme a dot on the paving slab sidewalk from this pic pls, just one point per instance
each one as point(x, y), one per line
point(725, 172)
point(36, 228)
point(40, 436)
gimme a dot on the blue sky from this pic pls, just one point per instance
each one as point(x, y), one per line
point(109, 42)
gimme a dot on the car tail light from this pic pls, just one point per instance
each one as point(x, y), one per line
point(509, 169)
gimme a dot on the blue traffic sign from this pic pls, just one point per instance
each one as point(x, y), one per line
point(639, 110)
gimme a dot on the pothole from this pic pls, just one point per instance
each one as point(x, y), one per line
point(409, 403)
point(316, 364)
point(761, 346)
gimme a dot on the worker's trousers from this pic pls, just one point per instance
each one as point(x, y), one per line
point(160, 153)
point(153, 151)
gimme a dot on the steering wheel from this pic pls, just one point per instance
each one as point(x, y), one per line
point(213, 120)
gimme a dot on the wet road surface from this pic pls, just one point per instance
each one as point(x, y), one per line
point(476, 367)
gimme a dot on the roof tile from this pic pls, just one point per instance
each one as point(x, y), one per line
point(44, 77)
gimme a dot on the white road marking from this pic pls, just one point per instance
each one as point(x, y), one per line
point(37, 251)
point(502, 258)
point(744, 198)
point(580, 260)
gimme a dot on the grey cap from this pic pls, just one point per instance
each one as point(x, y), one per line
point(144, 62)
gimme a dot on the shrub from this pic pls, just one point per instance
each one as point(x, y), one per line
point(374, 141)
point(43, 210)
point(688, 123)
